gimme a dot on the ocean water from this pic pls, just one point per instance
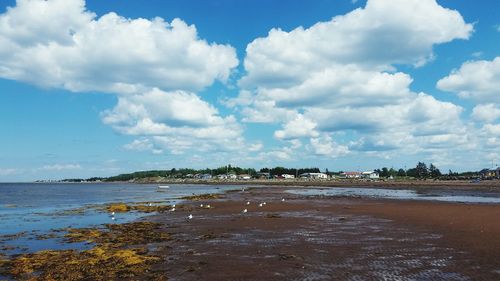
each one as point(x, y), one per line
point(404, 194)
point(32, 209)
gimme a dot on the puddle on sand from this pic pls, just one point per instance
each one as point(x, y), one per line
point(396, 194)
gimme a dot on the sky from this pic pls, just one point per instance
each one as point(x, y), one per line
point(98, 88)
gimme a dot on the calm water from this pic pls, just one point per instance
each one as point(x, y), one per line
point(36, 208)
point(436, 195)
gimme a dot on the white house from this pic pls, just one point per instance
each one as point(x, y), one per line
point(370, 175)
point(317, 176)
point(288, 176)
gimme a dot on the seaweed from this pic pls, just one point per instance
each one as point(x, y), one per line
point(118, 254)
point(202, 197)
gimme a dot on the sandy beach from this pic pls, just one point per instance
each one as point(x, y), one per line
point(330, 239)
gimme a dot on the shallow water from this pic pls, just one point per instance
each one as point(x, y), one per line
point(402, 194)
point(36, 208)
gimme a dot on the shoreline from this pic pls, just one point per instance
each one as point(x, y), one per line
point(302, 237)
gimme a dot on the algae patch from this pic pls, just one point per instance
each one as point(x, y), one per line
point(202, 197)
point(119, 253)
point(139, 207)
point(116, 235)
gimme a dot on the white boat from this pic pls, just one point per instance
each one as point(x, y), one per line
point(161, 187)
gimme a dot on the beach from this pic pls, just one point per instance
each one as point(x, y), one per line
point(333, 239)
point(286, 235)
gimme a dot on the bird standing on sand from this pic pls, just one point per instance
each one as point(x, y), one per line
point(172, 210)
point(260, 205)
point(208, 207)
point(201, 205)
point(244, 211)
point(283, 200)
point(190, 216)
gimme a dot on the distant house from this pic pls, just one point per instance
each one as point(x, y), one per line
point(206, 176)
point(263, 175)
point(490, 173)
point(350, 175)
point(244, 177)
point(287, 176)
point(372, 175)
point(317, 176)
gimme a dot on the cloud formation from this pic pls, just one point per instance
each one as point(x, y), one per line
point(477, 80)
point(341, 76)
point(81, 52)
point(154, 66)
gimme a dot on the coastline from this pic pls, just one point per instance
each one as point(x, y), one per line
point(302, 237)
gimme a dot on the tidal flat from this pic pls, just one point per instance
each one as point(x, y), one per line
point(272, 233)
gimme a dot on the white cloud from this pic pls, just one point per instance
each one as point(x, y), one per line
point(60, 167)
point(341, 75)
point(478, 80)
point(7, 171)
point(139, 145)
point(384, 33)
point(178, 121)
point(325, 146)
point(297, 128)
point(488, 113)
point(80, 52)
point(155, 67)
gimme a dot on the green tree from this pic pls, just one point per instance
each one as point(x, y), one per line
point(434, 171)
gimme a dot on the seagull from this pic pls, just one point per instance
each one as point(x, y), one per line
point(208, 207)
point(190, 216)
point(172, 210)
point(264, 203)
point(149, 204)
point(112, 213)
point(283, 200)
point(243, 189)
point(173, 206)
point(244, 211)
point(201, 205)
point(260, 205)
point(113, 218)
point(248, 202)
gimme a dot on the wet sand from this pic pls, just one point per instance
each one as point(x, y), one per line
point(325, 238)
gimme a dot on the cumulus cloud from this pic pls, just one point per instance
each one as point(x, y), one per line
point(325, 146)
point(383, 33)
point(488, 113)
point(81, 52)
point(154, 66)
point(60, 167)
point(478, 80)
point(341, 75)
point(175, 120)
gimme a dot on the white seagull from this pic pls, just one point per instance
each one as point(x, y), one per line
point(244, 211)
point(190, 216)
point(260, 205)
point(248, 202)
point(201, 205)
point(208, 207)
point(172, 210)
point(112, 213)
point(283, 200)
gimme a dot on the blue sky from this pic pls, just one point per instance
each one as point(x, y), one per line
point(97, 88)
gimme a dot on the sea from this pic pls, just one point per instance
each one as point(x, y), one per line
point(31, 210)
